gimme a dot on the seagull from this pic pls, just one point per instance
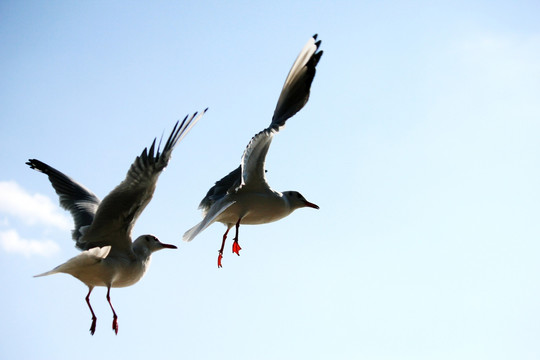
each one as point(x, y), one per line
point(103, 228)
point(244, 196)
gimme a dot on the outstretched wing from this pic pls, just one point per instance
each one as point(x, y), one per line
point(74, 197)
point(119, 210)
point(293, 97)
point(295, 92)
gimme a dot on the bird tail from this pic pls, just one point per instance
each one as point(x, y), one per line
point(53, 271)
point(85, 258)
point(208, 220)
point(194, 231)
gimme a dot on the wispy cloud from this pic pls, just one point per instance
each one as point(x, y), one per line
point(12, 242)
point(32, 209)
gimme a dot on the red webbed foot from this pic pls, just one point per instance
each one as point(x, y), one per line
point(219, 260)
point(115, 325)
point(236, 247)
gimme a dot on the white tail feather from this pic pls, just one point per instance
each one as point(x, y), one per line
point(85, 258)
point(207, 221)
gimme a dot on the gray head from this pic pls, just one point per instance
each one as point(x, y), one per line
point(297, 201)
point(150, 244)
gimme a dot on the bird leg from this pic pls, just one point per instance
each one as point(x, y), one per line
point(220, 256)
point(236, 247)
point(94, 318)
point(115, 318)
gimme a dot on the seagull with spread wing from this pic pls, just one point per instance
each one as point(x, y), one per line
point(103, 228)
point(244, 196)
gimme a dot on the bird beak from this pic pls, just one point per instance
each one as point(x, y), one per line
point(311, 205)
point(168, 246)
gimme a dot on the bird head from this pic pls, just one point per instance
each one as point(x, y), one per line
point(296, 200)
point(151, 243)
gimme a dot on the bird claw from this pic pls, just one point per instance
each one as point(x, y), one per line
point(236, 247)
point(93, 326)
point(219, 260)
point(115, 325)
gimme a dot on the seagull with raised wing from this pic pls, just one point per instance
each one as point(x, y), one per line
point(103, 228)
point(244, 196)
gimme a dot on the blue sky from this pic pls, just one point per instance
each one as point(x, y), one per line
point(419, 143)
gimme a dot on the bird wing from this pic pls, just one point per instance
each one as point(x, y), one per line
point(294, 95)
point(118, 212)
point(295, 92)
point(221, 188)
point(74, 197)
point(252, 165)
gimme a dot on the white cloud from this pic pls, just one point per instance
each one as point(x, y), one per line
point(11, 242)
point(31, 209)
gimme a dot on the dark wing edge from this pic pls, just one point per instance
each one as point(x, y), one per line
point(147, 164)
point(74, 197)
point(295, 92)
point(253, 178)
point(227, 184)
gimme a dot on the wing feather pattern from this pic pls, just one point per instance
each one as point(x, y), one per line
point(74, 197)
point(119, 210)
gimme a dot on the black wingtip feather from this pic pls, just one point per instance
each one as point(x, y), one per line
point(315, 59)
point(37, 165)
point(30, 163)
point(158, 157)
point(151, 151)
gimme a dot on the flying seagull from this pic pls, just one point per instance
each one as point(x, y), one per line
point(103, 228)
point(244, 196)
